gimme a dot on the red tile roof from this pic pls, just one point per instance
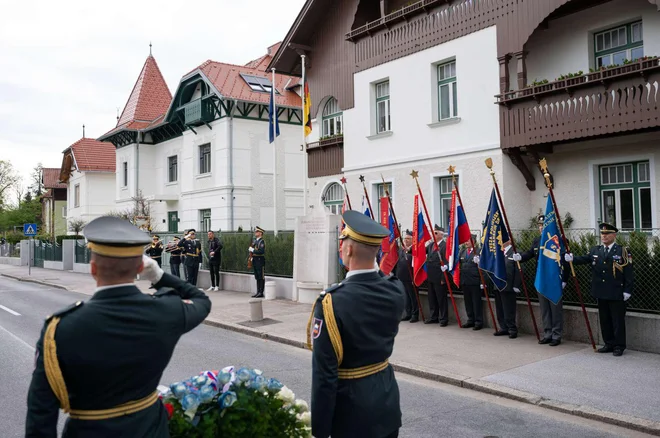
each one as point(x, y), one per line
point(51, 179)
point(150, 97)
point(49, 192)
point(92, 155)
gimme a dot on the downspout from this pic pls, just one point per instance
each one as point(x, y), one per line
point(137, 163)
point(230, 164)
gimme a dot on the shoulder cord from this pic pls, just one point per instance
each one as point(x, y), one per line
point(52, 366)
point(331, 324)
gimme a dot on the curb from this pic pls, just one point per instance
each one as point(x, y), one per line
point(621, 420)
point(30, 280)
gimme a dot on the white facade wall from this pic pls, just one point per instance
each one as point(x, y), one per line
point(567, 45)
point(97, 191)
point(192, 192)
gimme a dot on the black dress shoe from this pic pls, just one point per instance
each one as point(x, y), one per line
point(431, 321)
point(468, 325)
point(443, 324)
point(555, 342)
point(501, 333)
point(606, 349)
point(406, 318)
point(513, 335)
point(477, 327)
point(545, 341)
point(255, 295)
point(259, 295)
point(617, 352)
point(414, 319)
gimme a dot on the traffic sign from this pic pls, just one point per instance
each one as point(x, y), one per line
point(30, 229)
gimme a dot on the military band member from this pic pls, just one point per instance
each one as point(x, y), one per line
point(175, 256)
point(101, 361)
point(612, 284)
point(551, 313)
point(470, 281)
point(258, 251)
point(155, 250)
point(436, 265)
point(192, 250)
point(354, 389)
point(404, 274)
point(505, 300)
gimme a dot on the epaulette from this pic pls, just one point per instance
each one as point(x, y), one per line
point(332, 288)
point(68, 309)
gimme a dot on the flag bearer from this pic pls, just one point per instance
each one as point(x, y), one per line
point(471, 285)
point(436, 265)
point(404, 273)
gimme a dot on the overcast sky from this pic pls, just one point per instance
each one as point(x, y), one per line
point(71, 62)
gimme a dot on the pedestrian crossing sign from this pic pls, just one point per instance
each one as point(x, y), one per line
point(30, 229)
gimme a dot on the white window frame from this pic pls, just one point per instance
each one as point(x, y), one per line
point(124, 167)
point(64, 211)
point(332, 119)
point(204, 220)
point(450, 84)
point(207, 163)
point(76, 195)
point(385, 99)
point(169, 176)
point(334, 206)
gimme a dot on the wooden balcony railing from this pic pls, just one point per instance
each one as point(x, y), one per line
point(616, 100)
point(325, 157)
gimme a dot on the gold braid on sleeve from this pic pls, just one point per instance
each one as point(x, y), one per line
point(52, 366)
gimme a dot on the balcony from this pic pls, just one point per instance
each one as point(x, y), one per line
point(325, 157)
point(198, 112)
point(615, 100)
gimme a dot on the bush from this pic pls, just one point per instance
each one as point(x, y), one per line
point(62, 237)
point(279, 252)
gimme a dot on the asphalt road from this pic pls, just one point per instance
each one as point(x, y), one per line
point(430, 409)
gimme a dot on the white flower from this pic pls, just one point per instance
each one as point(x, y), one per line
point(305, 418)
point(302, 405)
point(308, 431)
point(258, 372)
point(286, 395)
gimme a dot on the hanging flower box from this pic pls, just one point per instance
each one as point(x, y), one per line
point(575, 80)
point(543, 88)
point(649, 62)
point(560, 84)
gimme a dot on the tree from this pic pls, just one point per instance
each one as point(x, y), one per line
point(20, 193)
point(139, 215)
point(8, 180)
point(36, 180)
point(77, 225)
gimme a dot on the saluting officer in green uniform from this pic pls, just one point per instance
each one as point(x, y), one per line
point(353, 326)
point(612, 284)
point(101, 361)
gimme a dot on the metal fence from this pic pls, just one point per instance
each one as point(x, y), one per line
point(279, 252)
point(83, 254)
point(10, 250)
point(52, 251)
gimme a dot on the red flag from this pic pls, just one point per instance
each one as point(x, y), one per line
point(389, 245)
point(343, 225)
point(420, 237)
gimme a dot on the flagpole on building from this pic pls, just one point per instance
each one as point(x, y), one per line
point(544, 168)
point(398, 231)
point(489, 164)
point(274, 128)
point(452, 171)
point(415, 174)
point(304, 137)
point(366, 195)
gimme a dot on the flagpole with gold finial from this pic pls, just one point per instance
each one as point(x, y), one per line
point(415, 176)
point(366, 195)
point(548, 182)
point(348, 198)
point(489, 164)
point(452, 172)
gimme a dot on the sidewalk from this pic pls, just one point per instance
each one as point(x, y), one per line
point(569, 378)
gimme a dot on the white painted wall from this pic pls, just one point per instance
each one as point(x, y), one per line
point(567, 45)
point(413, 95)
point(97, 192)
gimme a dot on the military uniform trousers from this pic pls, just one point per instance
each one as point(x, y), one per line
point(175, 268)
point(259, 268)
point(412, 309)
point(192, 269)
point(553, 318)
point(438, 300)
point(473, 306)
point(612, 315)
point(505, 303)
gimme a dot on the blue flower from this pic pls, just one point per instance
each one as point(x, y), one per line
point(274, 385)
point(258, 383)
point(200, 381)
point(224, 378)
point(207, 393)
point(190, 402)
point(227, 399)
point(179, 389)
point(243, 375)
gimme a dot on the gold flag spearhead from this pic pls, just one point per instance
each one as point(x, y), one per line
point(451, 170)
point(414, 174)
point(489, 163)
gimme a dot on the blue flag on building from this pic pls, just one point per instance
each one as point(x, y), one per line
point(272, 118)
point(492, 258)
point(549, 269)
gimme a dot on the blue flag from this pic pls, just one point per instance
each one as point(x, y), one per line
point(549, 269)
point(272, 117)
point(492, 259)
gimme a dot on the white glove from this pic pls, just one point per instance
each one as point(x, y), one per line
point(626, 295)
point(444, 268)
point(563, 284)
point(476, 259)
point(481, 286)
point(568, 257)
point(151, 272)
point(212, 254)
point(517, 257)
point(516, 290)
point(251, 249)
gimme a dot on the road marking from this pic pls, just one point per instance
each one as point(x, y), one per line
point(9, 310)
point(17, 338)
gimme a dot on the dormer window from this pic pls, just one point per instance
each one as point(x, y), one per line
point(258, 83)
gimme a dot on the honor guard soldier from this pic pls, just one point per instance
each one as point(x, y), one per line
point(101, 361)
point(258, 253)
point(436, 265)
point(612, 284)
point(505, 300)
point(192, 251)
point(470, 282)
point(175, 256)
point(551, 313)
point(155, 250)
point(354, 390)
point(404, 274)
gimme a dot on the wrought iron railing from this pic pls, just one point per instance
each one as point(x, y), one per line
point(83, 254)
